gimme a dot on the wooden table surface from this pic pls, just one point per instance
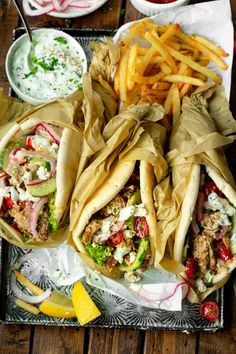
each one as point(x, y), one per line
point(19, 339)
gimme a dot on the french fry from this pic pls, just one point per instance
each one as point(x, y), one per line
point(146, 60)
point(117, 82)
point(133, 31)
point(205, 50)
point(160, 47)
point(131, 66)
point(176, 103)
point(169, 100)
point(195, 66)
point(123, 75)
point(171, 31)
point(185, 90)
point(148, 79)
point(218, 50)
point(183, 79)
point(161, 85)
point(165, 68)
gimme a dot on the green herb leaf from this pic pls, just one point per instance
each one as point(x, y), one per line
point(32, 72)
point(61, 40)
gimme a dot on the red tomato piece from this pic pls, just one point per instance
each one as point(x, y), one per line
point(191, 268)
point(115, 239)
point(223, 252)
point(141, 227)
point(8, 202)
point(29, 143)
point(209, 310)
point(212, 187)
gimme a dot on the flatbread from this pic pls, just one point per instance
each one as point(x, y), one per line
point(114, 183)
point(187, 209)
point(67, 164)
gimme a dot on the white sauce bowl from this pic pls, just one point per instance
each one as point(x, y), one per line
point(60, 81)
point(150, 8)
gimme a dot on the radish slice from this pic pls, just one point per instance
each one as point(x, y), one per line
point(49, 130)
point(35, 215)
point(31, 299)
point(159, 294)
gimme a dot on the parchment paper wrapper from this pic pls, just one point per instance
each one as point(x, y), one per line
point(61, 113)
point(198, 138)
point(132, 135)
point(64, 267)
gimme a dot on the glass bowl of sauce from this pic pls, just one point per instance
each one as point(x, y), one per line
point(49, 68)
point(153, 7)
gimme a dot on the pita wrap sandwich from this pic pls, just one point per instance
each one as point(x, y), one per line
point(117, 228)
point(205, 240)
point(37, 175)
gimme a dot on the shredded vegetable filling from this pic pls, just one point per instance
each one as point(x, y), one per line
point(118, 235)
point(28, 182)
point(211, 239)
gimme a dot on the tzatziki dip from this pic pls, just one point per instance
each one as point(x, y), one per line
point(51, 67)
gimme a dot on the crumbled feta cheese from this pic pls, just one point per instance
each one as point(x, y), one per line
point(208, 276)
point(27, 176)
point(214, 202)
point(128, 233)
point(119, 254)
point(132, 277)
point(200, 285)
point(132, 257)
point(132, 210)
point(43, 173)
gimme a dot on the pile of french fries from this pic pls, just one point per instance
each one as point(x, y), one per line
point(167, 66)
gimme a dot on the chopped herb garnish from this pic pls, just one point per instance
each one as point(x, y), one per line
point(61, 40)
point(32, 72)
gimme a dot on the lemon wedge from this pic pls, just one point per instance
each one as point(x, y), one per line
point(58, 305)
point(84, 307)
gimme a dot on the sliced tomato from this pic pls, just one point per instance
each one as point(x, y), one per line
point(115, 239)
point(209, 310)
point(191, 268)
point(212, 187)
point(8, 202)
point(141, 227)
point(29, 143)
point(223, 252)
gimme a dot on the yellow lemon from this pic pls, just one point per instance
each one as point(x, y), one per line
point(58, 305)
point(85, 308)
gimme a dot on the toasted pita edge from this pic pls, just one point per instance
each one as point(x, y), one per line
point(187, 209)
point(147, 184)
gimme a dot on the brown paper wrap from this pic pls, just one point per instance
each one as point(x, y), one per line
point(61, 113)
point(132, 135)
point(198, 138)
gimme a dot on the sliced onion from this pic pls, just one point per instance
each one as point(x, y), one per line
point(31, 299)
point(152, 296)
point(194, 225)
point(37, 12)
point(3, 174)
point(35, 182)
point(49, 130)
point(35, 215)
point(55, 5)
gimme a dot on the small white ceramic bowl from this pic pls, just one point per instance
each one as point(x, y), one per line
point(9, 63)
point(150, 8)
